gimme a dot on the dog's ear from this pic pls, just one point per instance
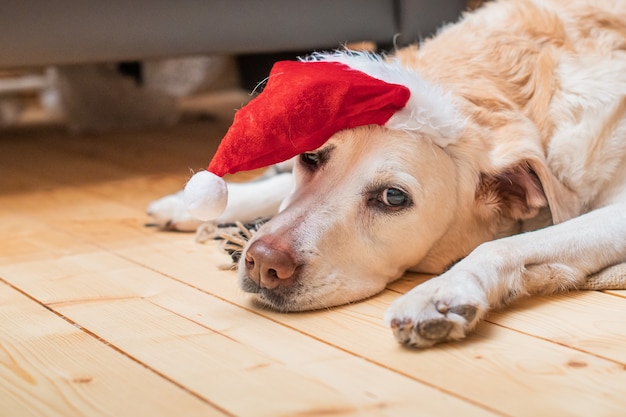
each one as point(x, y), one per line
point(520, 191)
point(515, 192)
point(564, 203)
point(516, 181)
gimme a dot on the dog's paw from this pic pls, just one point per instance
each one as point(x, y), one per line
point(442, 309)
point(170, 213)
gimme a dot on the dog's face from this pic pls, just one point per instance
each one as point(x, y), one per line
point(367, 205)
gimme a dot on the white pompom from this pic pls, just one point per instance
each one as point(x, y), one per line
point(206, 195)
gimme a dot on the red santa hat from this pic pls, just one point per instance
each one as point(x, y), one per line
point(305, 103)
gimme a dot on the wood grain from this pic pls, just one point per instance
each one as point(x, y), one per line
point(214, 348)
point(50, 367)
point(162, 329)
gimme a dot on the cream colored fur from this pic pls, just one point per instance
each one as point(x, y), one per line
point(528, 198)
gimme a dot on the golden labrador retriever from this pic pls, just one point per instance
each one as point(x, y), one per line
point(524, 194)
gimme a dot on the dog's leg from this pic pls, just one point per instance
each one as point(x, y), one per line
point(545, 261)
point(246, 202)
point(169, 213)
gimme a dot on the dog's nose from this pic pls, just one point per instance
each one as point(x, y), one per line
point(269, 266)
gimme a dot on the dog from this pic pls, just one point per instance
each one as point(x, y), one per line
point(527, 196)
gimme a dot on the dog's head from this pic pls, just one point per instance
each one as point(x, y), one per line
point(367, 205)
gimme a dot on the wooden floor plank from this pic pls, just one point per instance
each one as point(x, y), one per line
point(561, 373)
point(73, 215)
point(48, 367)
point(567, 320)
point(219, 350)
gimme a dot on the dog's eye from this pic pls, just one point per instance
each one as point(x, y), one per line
point(310, 158)
point(393, 197)
point(316, 159)
point(389, 199)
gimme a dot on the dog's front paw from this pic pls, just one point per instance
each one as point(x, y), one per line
point(442, 309)
point(170, 213)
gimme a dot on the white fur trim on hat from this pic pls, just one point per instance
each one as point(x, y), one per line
point(206, 195)
point(429, 110)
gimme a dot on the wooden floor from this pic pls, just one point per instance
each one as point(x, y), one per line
point(101, 315)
